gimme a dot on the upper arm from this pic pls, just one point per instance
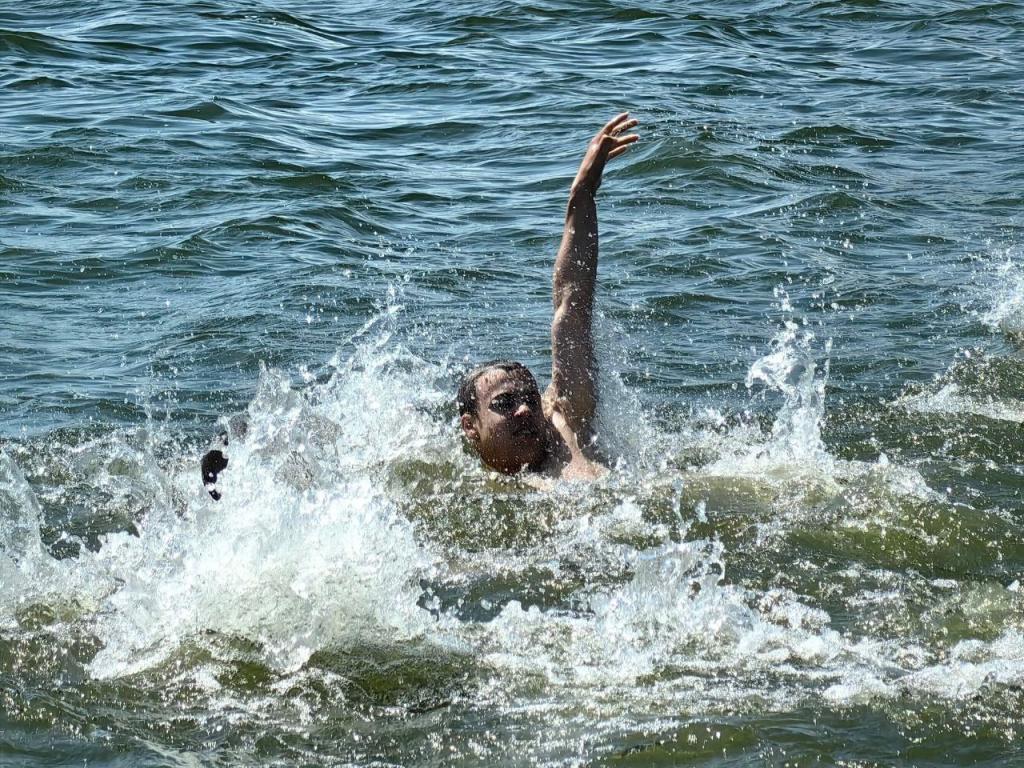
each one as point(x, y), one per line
point(572, 345)
point(573, 374)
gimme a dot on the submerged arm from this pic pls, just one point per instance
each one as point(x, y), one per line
point(575, 276)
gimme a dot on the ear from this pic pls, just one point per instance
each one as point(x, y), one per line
point(469, 428)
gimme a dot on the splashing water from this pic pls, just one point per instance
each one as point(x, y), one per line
point(305, 551)
point(790, 369)
point(353, 525)
point(794, 444)
point(1003, 293)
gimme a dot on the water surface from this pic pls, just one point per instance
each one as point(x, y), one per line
point(809, 551)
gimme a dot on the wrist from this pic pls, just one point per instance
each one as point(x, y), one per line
point(584, 184)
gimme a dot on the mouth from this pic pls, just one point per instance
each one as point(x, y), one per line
point(525, 430)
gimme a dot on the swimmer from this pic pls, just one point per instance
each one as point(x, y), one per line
point(502, 413)
point(501, 410)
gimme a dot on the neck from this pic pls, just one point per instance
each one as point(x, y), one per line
point(556, 453)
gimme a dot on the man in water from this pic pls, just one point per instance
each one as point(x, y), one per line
point(501, 411)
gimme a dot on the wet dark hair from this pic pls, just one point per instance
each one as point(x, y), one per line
point(466, 399)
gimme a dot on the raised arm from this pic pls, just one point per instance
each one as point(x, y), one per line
point(573, 371)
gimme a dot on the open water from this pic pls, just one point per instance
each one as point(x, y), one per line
point(811, 547)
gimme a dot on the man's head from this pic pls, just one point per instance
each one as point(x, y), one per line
point(501, 416)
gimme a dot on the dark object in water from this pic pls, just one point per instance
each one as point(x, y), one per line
point(213, 463)
point(215, 460)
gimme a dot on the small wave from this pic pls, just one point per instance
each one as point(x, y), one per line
point(273, 20)
point(210, 111)
point(41, 81)
point(1002, 299)
point(951, 400)
point(34, 43)
point(836, 135)
point(997, 13)
point(309, 181)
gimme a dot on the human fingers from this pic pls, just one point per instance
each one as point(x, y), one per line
point(618, 151)
point(618, 144)
point(624, 126)
point(610, 125)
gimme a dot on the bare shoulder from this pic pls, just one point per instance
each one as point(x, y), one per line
point(549, 401)
point(573, 459)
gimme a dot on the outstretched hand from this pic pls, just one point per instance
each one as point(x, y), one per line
point(608, 143)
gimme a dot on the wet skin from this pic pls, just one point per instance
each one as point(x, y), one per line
point(509, 431)
point(515, 428)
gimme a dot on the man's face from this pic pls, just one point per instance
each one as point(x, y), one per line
point(509, 430)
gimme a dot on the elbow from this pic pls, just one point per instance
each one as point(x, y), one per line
point(570, 301)
point(562, 300)
point(573, 292)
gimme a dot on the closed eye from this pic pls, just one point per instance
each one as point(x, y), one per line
point(508, 402)
point(504, 403)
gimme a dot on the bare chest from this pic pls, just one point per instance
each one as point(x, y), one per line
point(574, 462)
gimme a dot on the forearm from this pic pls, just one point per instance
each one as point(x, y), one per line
point(574, 281)
point(575, 273)
point(576, 263)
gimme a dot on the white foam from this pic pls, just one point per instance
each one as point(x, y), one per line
point(950, 400)
point(21, 551)
point(972, 666)
point(794, 444)
point(29, 576)
point(1003, 296)
point(306, 549)
point(676, 611)
point(295, 572)
point(310, 547)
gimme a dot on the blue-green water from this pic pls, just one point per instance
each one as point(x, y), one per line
point(810, 547)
